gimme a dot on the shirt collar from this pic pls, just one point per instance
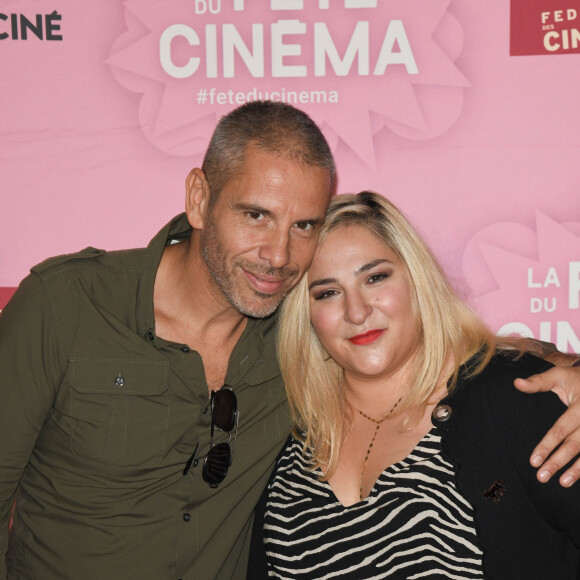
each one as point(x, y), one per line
point(177, 229)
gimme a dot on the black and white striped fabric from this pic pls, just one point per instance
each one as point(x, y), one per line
point(414, 524)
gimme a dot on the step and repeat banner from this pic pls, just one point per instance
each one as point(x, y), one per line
point(464, 113)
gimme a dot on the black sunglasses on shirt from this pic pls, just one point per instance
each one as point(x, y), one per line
point(224, 417)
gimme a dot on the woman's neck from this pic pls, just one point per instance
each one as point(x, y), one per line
point(377, 395)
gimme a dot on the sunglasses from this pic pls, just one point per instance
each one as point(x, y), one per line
point(224, 417)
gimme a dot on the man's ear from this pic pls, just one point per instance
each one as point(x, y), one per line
point(196, 198)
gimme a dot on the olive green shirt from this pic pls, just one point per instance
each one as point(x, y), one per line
point(99, 416)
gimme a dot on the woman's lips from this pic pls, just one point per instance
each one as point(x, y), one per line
point(367, 337)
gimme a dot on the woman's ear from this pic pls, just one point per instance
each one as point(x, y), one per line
point(196, 198)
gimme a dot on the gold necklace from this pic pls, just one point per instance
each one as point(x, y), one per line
point(378, 423)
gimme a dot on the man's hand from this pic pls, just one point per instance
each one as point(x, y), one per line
point(565, 382)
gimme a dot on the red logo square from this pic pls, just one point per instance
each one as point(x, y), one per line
point(544, 27)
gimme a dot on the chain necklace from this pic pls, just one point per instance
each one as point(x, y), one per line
point(378, 423)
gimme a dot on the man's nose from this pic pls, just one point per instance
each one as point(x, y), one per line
point(276, 249)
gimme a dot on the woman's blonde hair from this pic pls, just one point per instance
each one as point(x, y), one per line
point(449, 331)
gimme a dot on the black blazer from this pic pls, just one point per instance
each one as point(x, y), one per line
point(528, 530)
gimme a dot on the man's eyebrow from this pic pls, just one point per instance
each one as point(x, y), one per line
point(314, 221)
point(362, 269)
point(253, 208)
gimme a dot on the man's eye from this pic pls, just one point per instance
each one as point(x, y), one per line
point(305, 226)
point(255, 215)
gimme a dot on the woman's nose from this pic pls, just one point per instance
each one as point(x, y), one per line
point(357, 308)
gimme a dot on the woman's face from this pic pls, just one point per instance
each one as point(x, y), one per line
point(361, 306)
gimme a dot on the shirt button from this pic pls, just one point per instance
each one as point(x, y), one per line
point(204, 410)
point(185, 349)
point(186, 517)
point(195, 462)
point(442, 413)
point(150, 335)
point(119, 381)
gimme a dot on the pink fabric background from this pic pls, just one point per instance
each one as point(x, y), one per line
point(481, 149)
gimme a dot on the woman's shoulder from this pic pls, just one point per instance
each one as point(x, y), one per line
point(504, 367)
point(512, 361)
point(490, 395)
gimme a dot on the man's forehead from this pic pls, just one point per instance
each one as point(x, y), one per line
point(280, 184)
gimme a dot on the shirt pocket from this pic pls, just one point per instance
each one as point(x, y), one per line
point(120, 411)
point(264, 413)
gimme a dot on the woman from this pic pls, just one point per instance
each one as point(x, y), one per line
point(410, 454)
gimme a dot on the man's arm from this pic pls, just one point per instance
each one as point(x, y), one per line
point(561, 444)
point(27, 343)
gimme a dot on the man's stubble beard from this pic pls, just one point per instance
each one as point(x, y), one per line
point(225, 281)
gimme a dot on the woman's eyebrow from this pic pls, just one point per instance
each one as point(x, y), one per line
point(364, 268)
point(322, 282)
point(371, 265)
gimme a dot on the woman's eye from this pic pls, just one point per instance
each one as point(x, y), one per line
point(378, 277)
point(324, 294)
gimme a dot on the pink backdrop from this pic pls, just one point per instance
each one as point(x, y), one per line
point(106, 106)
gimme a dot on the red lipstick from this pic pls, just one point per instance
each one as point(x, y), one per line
point(367, 337)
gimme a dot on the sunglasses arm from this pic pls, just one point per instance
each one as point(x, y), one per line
point(235, 435)
point(190, 460)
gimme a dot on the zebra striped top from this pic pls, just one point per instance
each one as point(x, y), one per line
point(414, 523)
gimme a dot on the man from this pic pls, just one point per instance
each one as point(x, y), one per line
point(108, 361)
